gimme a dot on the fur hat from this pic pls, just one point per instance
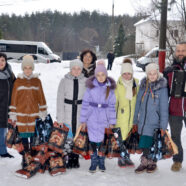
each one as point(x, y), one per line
point(76, 63)
point(28, 60)
point(100, 67)
point(151, 66)
point(126, 68)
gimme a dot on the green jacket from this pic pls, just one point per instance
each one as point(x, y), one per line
point(125, 108)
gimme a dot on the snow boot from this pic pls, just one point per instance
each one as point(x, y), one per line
point(101, 163)
point(75, 161)
point(121, 162)
point(143, 165)
point(94, 162)
point(151, 167)
point(69, 161)
point(176, 166)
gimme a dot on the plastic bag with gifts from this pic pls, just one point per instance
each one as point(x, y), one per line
point(58, 137)
point(81, 143)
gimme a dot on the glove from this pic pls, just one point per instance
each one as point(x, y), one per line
point(135, 128)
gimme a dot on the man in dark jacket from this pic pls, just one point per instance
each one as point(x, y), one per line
point(110, 57)
point(177, 105)
point(6, 83)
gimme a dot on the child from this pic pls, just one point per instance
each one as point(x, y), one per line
point(69, 99)
point(28, 102)
point(126, 93)
point(151, 112)
point(98, 111)
point(7, 79)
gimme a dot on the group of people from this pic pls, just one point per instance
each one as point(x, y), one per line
point(87, 96)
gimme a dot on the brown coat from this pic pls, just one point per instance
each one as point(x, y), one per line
point(27, 103)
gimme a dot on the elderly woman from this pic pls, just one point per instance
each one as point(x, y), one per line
point(6, 83)
point(151, 112)
point(88, 58)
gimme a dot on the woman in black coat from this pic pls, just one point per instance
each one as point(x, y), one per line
point(6, 83)
point(88, 58)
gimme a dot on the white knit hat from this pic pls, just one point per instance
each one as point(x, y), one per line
point(28, 60)
point(126, 68)
point(76, 63)
point(151, 66)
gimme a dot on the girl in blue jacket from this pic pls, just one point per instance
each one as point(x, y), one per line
point(151, 112)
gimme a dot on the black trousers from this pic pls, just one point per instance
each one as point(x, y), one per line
point(176, 124)
point(109, 67)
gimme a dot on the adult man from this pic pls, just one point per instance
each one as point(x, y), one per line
point(177, 105)
point(110, 57)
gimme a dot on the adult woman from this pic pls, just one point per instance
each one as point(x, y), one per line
point(126, 93)
point(6, 83)
point(151, 112)
point(88, 58)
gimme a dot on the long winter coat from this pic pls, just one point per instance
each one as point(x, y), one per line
point(98, 118)
point(73, 89)
point(152, 113)
point(125, 108)
point(27, 102)
point(6, 83)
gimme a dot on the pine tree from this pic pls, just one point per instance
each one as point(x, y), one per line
point(119, 42)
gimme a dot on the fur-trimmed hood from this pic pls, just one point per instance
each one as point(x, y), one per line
point(92, 82)
point(70, 76)
point(22, 76)
point(160, 83)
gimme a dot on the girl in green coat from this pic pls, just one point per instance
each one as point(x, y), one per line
point(126, 91)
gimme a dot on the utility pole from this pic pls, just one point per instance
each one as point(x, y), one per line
point(162, 39)
point(113, 25)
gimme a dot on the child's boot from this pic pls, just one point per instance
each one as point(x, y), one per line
point(94, 162)
point(101, 163)
point(143, 165)
point(151, 167)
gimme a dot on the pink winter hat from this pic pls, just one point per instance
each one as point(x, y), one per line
point(100, 67)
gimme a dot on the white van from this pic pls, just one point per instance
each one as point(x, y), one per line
point(17, 49)
point(150, 57)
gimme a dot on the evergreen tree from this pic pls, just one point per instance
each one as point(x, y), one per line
point(119, 42)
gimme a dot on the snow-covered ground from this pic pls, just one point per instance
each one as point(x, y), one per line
point(114, 176)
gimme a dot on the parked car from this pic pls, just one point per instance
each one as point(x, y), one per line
point(151, 57)
point(37, 59)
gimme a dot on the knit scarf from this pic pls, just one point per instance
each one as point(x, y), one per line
point(128, 84)
point(4, 74)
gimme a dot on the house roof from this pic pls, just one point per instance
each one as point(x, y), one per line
point(171, 16)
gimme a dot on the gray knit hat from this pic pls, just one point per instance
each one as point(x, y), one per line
point(76, 63)
point(28, 60)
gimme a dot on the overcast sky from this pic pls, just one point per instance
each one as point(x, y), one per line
point(20, 7)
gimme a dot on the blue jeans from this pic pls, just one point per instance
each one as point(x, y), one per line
point(3, 149)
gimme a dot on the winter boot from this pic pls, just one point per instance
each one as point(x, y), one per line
point(121, 162)
point(176, 166)
point(101, 163)
point(151, 167)
point(94, 162)
point(69, 161)
point(75, 161)
point(143, 166)
point(128, 161)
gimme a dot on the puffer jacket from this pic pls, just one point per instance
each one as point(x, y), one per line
point(125, 108)
point(152, 111)
point(97, 117)
point(27, 102)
